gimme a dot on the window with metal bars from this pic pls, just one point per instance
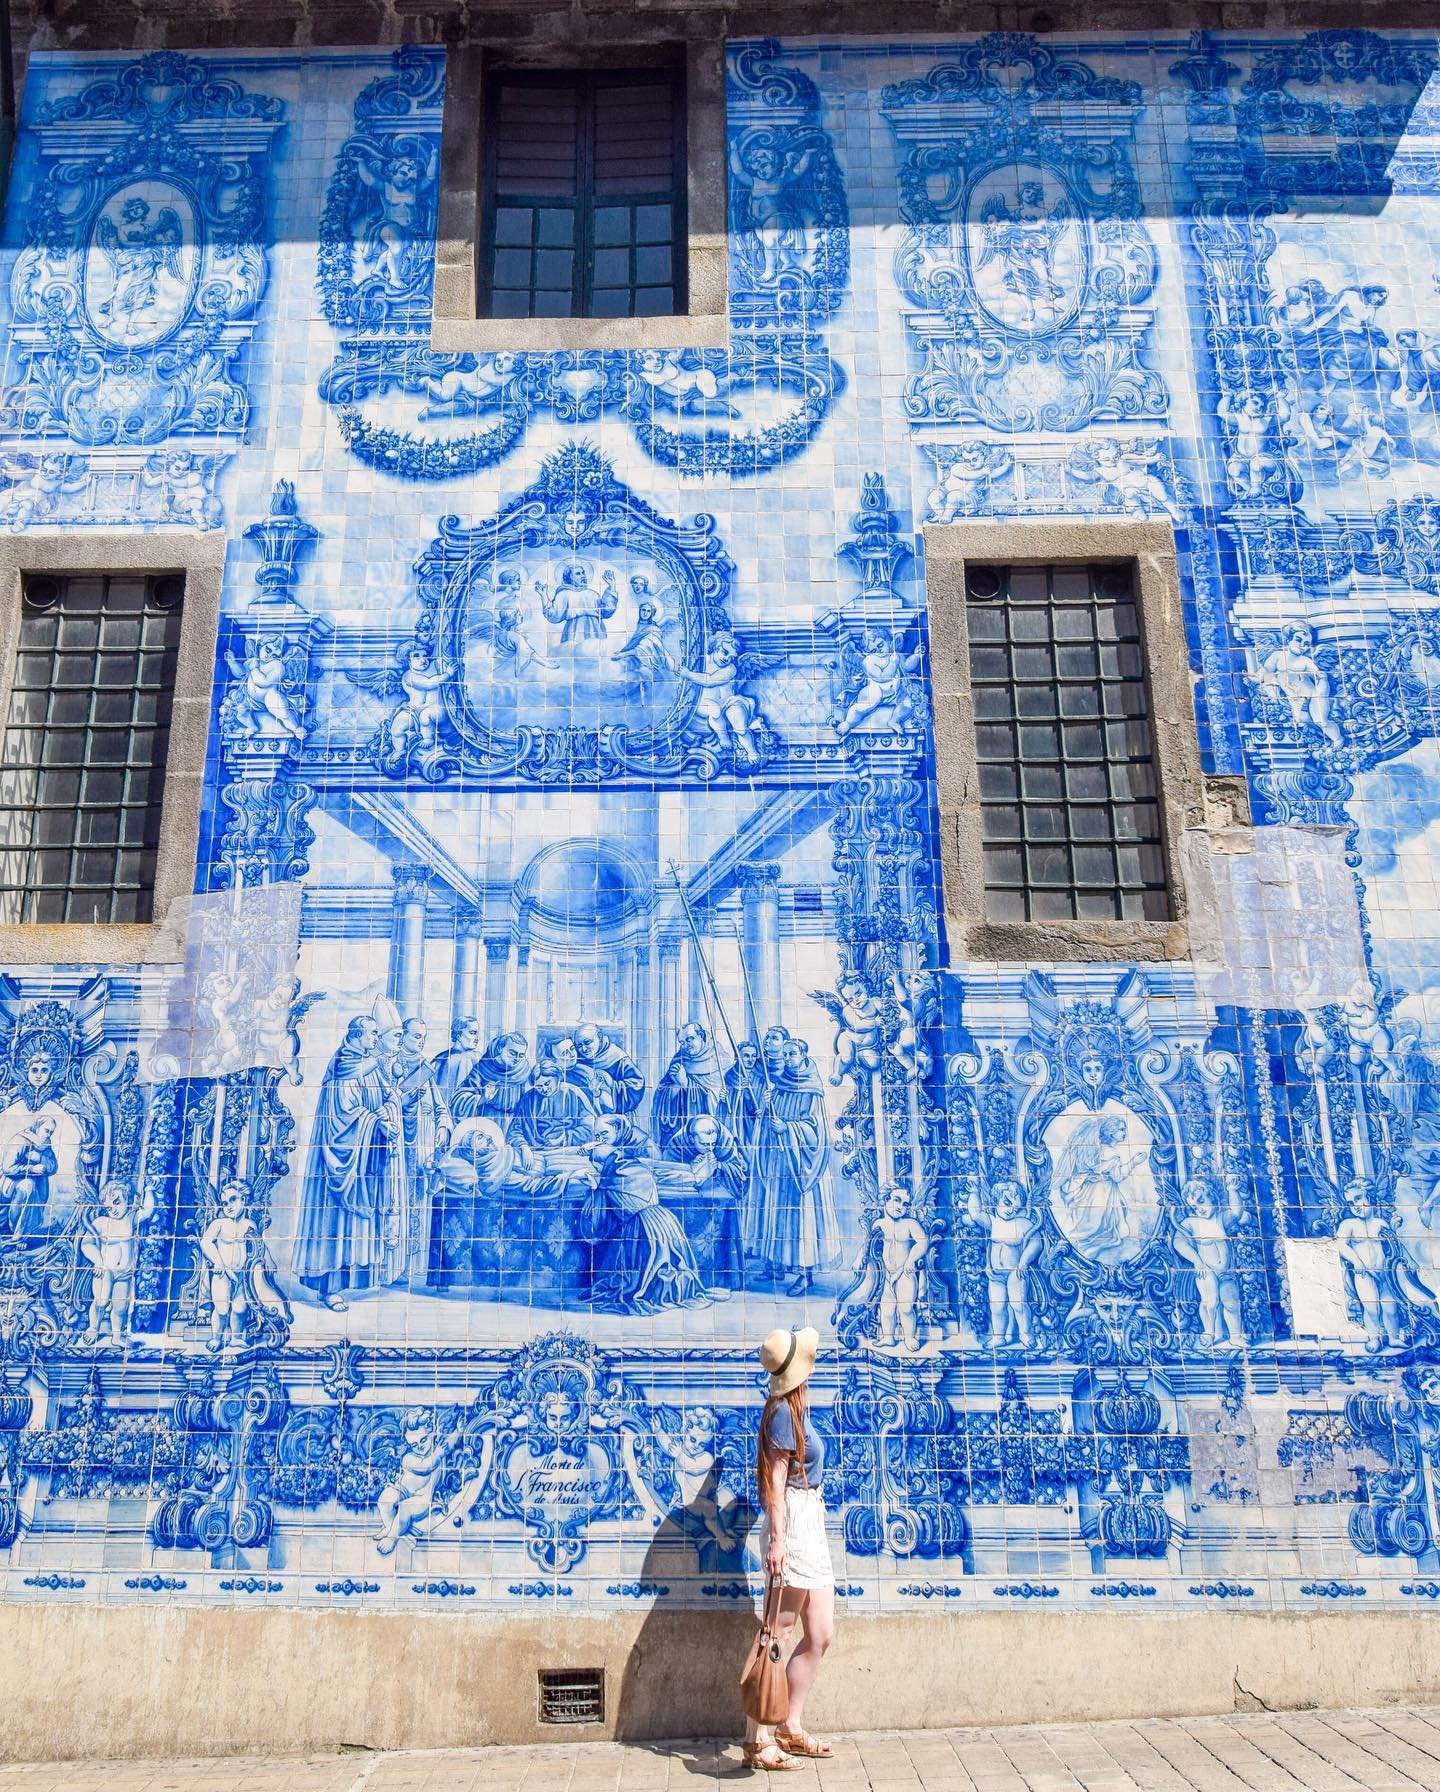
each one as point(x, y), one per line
point(584, 206)
point(572, 1695)
point(82, 763)
point(1068, 790)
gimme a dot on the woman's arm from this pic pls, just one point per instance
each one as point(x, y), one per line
point(775, 1482)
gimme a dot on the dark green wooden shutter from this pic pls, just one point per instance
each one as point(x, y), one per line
point(584, 212)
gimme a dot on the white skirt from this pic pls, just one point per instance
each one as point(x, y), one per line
point(807, 1547)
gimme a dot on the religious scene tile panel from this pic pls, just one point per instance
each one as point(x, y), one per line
point(565, 996)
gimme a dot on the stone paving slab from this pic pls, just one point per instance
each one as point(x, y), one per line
point(1389, 1750)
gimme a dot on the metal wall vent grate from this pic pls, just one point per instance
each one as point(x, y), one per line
point(572, 1696)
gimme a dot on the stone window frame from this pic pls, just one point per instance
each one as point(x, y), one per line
point(1186, 797)
point(456, 329)
point(200, 559)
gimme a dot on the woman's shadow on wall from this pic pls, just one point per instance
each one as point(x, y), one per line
point(682, 1677)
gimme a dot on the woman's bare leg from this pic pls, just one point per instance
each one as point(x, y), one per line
point(817, 1606)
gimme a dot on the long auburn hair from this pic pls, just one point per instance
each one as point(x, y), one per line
point(767, 1451)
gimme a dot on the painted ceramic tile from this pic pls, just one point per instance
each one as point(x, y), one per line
point(564, 999)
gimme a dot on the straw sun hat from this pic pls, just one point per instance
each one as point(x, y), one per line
point(789, 1356)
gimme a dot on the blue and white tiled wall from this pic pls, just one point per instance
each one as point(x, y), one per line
point(582, 698)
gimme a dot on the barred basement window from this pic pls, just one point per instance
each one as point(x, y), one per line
point(584, 209)
point(1069, 797)
point(572, 1696)
point(82, 765)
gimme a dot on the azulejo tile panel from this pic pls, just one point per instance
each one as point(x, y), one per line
point(565, 999)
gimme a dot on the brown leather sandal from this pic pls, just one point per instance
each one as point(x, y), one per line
point(754, 1753)
point(801, 1742)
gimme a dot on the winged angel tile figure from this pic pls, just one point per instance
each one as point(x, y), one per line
point(1025, 241)
point(415, 683)
point(733, 718)
point(140, 250)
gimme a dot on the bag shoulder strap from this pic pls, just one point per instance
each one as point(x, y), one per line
point(770, 1614)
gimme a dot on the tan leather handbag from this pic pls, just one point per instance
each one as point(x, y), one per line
point(764, 1690)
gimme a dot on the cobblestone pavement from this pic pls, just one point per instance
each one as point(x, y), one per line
point(1389, 1750)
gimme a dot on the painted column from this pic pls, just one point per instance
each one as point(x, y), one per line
point(760, 943)
point(520, 1017)
point(668, 1018)
point(497, 984)
point(406, 985)
point(642, 1014)
point(465, 990)
point(698, 1006)
point(623, 1007)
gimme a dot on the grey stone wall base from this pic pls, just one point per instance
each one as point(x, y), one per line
point(117, 1681)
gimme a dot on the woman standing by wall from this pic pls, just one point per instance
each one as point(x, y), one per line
point(789, 1467)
